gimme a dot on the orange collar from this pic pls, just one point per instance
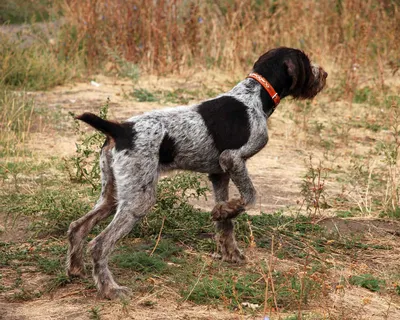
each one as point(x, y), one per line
point(267, 86)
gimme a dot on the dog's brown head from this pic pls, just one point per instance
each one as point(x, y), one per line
point(291, 73)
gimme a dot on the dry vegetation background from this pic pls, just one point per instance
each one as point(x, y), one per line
point(327, 246)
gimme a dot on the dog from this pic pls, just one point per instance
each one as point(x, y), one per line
point(215, 137)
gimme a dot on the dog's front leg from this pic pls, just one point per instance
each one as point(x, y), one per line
point(233, 164)
point(227, 247)
point(225, 210)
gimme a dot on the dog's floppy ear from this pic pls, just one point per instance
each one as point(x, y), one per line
point(292, 71)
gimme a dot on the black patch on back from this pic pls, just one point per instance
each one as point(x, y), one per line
point(227, 121)
point(167, 150)
point(126, 137)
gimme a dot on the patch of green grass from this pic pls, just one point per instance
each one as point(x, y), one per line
point(23, 295)
point(143, 95)
point(294, 317)
point(234, 287)
point(374, 127)
point(392, 214)
point(231, 287)
point(46, 257)
point(364, 95)
point(94, 313)
point(60, 280)
point(52, 210)
point(367, 281)
point(140, 262)
point(166, 249)
point(48, 265)
point(345, 214)
point(177, 96)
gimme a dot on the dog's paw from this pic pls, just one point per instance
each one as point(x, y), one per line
point(75, 272)
point(115, 292)
point(216, 256)
point(235, 256)
point(227, 210)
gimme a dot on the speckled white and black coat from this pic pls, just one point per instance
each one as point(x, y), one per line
point(216, 137)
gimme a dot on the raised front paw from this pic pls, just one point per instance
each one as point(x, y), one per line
point(227, 210)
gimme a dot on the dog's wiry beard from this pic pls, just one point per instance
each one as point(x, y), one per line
point(315, 83)
point(319, 80)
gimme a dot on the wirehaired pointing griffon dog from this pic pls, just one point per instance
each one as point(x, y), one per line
point(216, 137)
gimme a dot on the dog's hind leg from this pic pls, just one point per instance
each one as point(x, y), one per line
point(105, 206)
point(136, 175)
point(225, 237)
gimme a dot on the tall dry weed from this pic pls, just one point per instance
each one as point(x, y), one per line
point(170, 35)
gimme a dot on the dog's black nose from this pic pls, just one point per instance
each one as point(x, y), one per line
point(325, 74)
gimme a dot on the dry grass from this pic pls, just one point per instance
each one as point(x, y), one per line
point(171, 35)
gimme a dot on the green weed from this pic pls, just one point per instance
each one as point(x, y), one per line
point(60, 280)
point(367, 281)
point(313, 188)
point(94, 313)
point(84, 166)
point(231, 288)
point(23, 295)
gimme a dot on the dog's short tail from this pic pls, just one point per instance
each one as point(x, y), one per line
point(109, 128)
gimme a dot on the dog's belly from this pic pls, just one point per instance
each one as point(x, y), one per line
point(199, 165)
point(194, 160)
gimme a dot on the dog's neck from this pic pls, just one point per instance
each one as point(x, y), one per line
point(280, 83)
point(267, 86)
point(252, 93)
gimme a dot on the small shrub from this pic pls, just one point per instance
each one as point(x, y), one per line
point(313, 188)
point(84, 166)
point(182, 221)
